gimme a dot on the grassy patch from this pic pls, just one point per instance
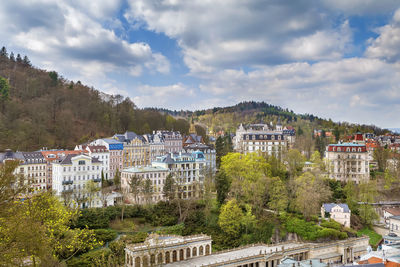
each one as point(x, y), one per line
point(374, 237)
point(127, 225)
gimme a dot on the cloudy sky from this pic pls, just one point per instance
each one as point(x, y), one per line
point(337, 59)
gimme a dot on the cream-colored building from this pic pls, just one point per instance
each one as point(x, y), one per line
point(70, 178)
point(191, 251)
point(156, 175)
point(187, 170)
point(260, 137)
point(348, 162)
point(32, 166)
point(338, 212)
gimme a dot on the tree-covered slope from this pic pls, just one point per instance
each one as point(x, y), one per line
point(43, 109)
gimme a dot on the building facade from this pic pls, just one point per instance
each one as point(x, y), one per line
point(262, 138)
point(138, 194)
point(196, 251)
point(348, 162)
point(209, 154)
point(101, 153)
point(187, 170)
point(337, 212)
point(173, 141)
point(32, 166)
point(156, 143)
point(115, 149)
point(71, 175)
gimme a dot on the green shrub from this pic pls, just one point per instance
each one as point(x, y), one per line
point(105, 235)
point(172, 230)
point(90, 258)
point(331, 224)
point(138, 237)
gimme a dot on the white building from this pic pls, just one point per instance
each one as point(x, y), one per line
point(209, 154)
point(348, 162)
point(390, 212)
point(260, 137)
point(394, 225)
point(115, 149)
point(70, 179)
point(338, 212)
point(101, 153)
point(156, 175)
point(187, 170)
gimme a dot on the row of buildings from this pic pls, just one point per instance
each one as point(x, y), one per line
point(150, 156)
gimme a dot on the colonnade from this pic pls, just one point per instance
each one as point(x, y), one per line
point(167, 256)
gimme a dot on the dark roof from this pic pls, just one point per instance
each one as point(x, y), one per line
point(10, 155)
point(328, 206)
point(68, 159)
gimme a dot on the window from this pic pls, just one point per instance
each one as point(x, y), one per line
point(81, 162)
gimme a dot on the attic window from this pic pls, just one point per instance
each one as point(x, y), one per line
point(81, 162)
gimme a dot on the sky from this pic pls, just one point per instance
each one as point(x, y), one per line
point(337, 59)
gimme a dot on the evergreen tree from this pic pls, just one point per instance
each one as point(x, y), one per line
point(26, 61)
point(19, 58)
point(12, 58)
point(169, 188)
point(222, 185)
point(3, 52)
point(134, 186)
point(219, 147)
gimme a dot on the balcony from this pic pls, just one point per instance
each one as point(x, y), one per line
point(67, 182)
point(97, 180)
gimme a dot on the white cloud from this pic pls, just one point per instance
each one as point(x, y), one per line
point(355, 89)
point(387, 45)
point(230, 34)
point(70, 37)
point(170, 96)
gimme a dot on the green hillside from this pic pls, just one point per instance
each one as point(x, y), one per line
point(43, 109)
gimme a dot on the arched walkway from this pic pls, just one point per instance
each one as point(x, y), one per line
point(167, 257)
point(187, 253)
point(208, 250)
point(159, 258)
point(181, 255)
point(194, 252)
point(201, 250)
point(145, 261)
point(137, 262)
point(174, 256)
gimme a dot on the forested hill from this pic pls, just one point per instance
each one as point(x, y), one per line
point(228, 118)
point(42, 109)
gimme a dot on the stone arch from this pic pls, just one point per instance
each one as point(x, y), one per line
point(152, 259)
point(159, 258)
point(187, 253)
point(174, 256)
point(201, 251)
point(208, 250)
point(145, 261)
point(194, 252)
point(167, 257)
point(181, 254)
point(137, 262)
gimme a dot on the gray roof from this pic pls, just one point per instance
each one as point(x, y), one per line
point(111, 141)
point(10, 155)
point(328, 206)
point(68, 159)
